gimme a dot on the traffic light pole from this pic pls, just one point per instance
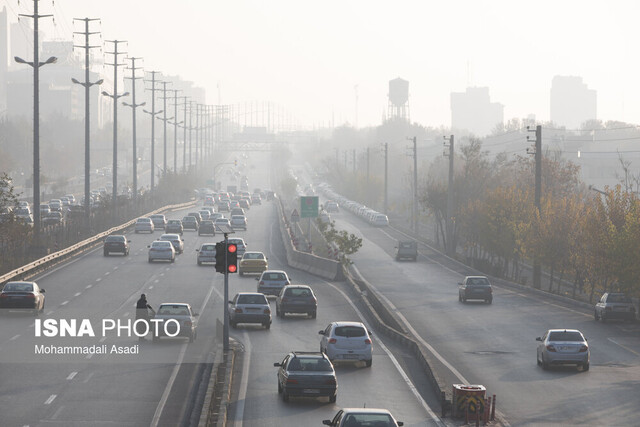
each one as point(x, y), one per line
point(225, 328)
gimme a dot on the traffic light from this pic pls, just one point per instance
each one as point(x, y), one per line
point(221, 251)
point(232, 258)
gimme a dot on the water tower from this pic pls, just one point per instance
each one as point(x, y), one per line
point(399, 100)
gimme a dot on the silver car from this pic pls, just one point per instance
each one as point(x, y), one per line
point(144, 225)
point(183, 315)
point(206, 253)
point(176, 241)
point(159, 220)
point(249, 307)
point(240, 244)
point(347, 341)
point(161, 250)
point(563, 347)
point(239, 221)
point(271, 282)
point(363, 417)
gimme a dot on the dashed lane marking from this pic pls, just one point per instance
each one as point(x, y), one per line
point(77, 294)
point(72, 375)
point(15, 337)
point(64, 303)
point(50, 399)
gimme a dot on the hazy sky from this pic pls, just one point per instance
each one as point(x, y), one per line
point(308, 56)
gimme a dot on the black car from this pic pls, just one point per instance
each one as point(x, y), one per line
point(207, 227)
point(116, 243)
point(475, 287)
point(22, 295)
point(296, 299)
point(307, 374)
point(407, 250)
point(190, 222)
point(174, 226)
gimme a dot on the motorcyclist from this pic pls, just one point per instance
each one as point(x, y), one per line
point(143, 311)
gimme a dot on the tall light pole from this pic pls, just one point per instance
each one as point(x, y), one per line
point(115, 96)
point(133, 106)
point(184, 138)
point(165, 119)
point(36, 64)
point(87, 117)
point(175, 130)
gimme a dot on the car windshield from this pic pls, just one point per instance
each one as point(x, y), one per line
point(565, 336)
point(18, 287)
point(252, 299)
point(350, 331)
point(273, 276)
point(366, 420)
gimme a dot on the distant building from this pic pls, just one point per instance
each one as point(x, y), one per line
point(474, 112)
point(572, 103)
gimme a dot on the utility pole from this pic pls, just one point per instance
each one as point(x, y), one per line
point(415, 184)
point(197, 129)
point(386, 185)
point(115, 96)
point(537, 152)
point(36, 64)
point(87, 117)
point(164, 120)
point(153, 113)
point(190, 134)
point(450, 248)
point(133, 106)
point(184, 137)
point(175, 130)
point(353, 158)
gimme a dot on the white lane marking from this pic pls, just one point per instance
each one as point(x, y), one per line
point(57, 413)
point(126, 314)
point(98, 279)
point(623, 346)
point(103, 339)
point(88, 287)
point(151, 287)
point(77, 294)
point(64, 303)
point(106, 273)
point(15, 337)
point(50, 399)
point(72, 375)
point(86, 380)
point(115, 268)
point(156, 281)
point(244, 382)
point(405, 377)
point(176, 368)
point(49, 313)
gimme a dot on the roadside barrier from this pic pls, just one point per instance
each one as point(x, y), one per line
point(40, 264)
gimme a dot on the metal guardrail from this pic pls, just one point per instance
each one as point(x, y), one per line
point(39, 264)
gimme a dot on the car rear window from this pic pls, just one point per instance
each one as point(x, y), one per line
point(114, 239)
point(18, 287)
point(208, 248)
point(309, 364)
point(273, 276)
point(618, 298)
point(565, 336)
point(377, 420)
point(253, 255)
point(252, 299)
point(350, 331)
point(298, 292)
point(478, 282)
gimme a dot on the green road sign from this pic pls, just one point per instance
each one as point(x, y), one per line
point(308, 206)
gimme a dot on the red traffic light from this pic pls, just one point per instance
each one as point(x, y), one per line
point(232, 268)
point(232, 248)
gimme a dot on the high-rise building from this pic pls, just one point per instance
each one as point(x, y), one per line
point(474, 112)
point(572, 103)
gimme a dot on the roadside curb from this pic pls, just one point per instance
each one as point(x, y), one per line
point(217, 398)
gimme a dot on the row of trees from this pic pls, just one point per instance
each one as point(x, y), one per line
point(593, 238)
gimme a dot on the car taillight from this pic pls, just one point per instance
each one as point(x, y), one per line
point(267, 311)
point(367, 341)
point(4, 296)
point(332, 340)
point(551, 347)
point(583, 348)
point(187, 323)
point(261, 282)
point(331, 381)
point(607, 308)
point(284, 299)
point(238, 310)
point(291, 381)
point(30, 296)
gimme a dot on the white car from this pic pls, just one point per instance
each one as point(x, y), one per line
point(162, 250)
point(222, 221)
point(347, 341)
point(144, 225)
point(363, 417)
point(380, 220)
point(239, 221)
point(181, 313)
point(176, 241)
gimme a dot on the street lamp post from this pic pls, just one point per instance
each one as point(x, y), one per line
point(36, 64)
point(133, 106)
